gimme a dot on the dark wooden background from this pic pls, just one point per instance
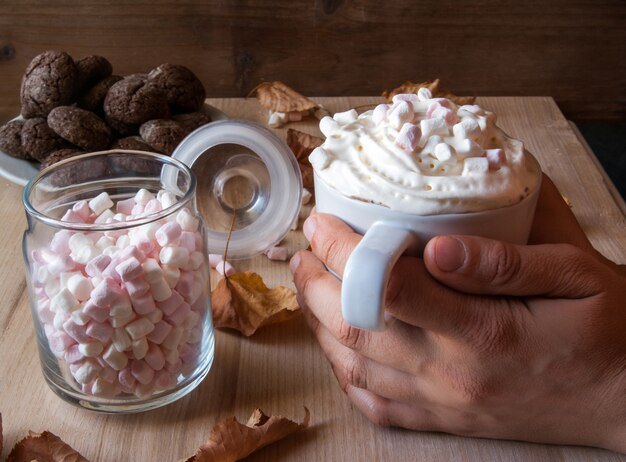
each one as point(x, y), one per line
point(572, 50)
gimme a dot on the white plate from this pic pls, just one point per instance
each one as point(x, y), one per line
point(20, 171)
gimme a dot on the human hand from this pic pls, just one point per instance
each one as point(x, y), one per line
point(486, 339)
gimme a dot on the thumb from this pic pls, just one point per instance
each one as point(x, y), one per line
point(485, 266)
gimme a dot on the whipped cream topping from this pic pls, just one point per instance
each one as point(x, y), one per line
point(424, 156)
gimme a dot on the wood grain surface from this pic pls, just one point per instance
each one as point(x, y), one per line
point(574, 51)
point(281, 368)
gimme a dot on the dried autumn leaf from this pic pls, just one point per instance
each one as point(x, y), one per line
point(302, 144)
point(278, 97)
point(243, 302)
point(44, 447)
point(230, 440)
point(410, 87)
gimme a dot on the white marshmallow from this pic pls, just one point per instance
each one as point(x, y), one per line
point(467, 128)
point(475, 166)
point(424, 94)
point(174, 256)
point(140, 348)
point(306, 196)
point(80, 318)
point(80, 287)
point(90, 349)
point(319, 158)
point(171, 275)
point(432, 127)
point(344, 118)
point(64, 300)
point(328, 126)
point(100, 203)
point(121, 340)
point(186, 220)
point(139, 328)
point(160, 290)
point(152, 271)
point(143, 196)
point(87, 372)
point(469, 148)
point(444, 152)
point(104, 217)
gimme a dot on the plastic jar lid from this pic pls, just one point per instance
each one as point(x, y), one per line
point(256, 178)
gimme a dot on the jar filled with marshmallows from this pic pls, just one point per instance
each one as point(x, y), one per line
point(118, 278)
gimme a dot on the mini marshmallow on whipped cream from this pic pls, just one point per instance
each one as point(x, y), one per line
point(424, 156)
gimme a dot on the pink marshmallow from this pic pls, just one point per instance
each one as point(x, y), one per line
point(185, 283)
point(136, 287)
point(73, 354)
point(60, 242)
point(164, 379)
point(179, 316)
point(187, 240)
point(100, 331)
point(277, 253)
point(105, 293)
point(136, 210)
point(409, 136)
point(81, 208)
point(127, 380)
point(496, 158)
point(97, 265)
point(72, 217)
point(125, 206)
point(95, 312)
point(160, 332)
point(153, 206)
point(444, 113)
point(169, 305)
point(129, 269)
point(146, 247)
point(215, 259)
point(78, 333)
point(142, 372)
point(143, 304)
point(60, 341)
point(168, 233)
point(154, 357)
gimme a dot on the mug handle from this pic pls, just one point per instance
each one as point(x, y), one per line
point(367, 272)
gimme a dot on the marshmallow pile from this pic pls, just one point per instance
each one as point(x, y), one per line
point(124, 309)
point(423, 155)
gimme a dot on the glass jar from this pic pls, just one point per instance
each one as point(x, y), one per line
point(118, 278)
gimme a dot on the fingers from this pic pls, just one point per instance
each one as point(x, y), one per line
point(386, 412)
point(320, 293)
point(331, 240)
point(554, 221)
point(484, 266)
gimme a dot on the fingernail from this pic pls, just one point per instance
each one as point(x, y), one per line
point(294, 263)
point(309, 228)
point(449, 253)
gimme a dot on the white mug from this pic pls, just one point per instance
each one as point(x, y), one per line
point(388, 234)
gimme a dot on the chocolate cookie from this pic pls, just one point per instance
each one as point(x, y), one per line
point(185, 92)
point(134, 143)
point(93, 99)
point(162, 135)
point(11, 139)
point(86, 170)
point(135, 100)
point(49, 82)
point(120, 128)
point(82, 128)
point(91, 69)
point(59, 155)
point(192, 120)
point(39, 140)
